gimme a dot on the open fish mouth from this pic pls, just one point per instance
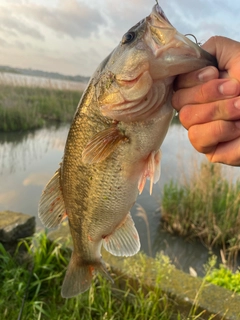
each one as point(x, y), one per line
point(178, 54)
point(161, 52)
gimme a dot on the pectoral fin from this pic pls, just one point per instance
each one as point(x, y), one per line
point(51, 209)
point(152, 171)
point(124, 241)
point(102, 145)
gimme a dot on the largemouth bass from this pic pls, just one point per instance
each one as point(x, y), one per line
point(113, 145)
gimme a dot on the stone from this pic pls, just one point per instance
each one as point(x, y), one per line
point(15, 225)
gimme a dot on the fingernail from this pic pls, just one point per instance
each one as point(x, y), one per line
point(229, 88)
point(207, 74)
point(237, 103)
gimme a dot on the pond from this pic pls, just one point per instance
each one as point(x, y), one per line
point(28, 160)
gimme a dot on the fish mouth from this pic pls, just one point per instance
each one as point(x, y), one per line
point(160, 13)
point(176, 51)
point(158, 53)
point(129, 81)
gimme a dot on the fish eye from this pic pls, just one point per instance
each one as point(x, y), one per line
point(128, 37)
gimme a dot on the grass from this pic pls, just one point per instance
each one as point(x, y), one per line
point(223, 277)
point(46, 270)
point(31, 280)
point(207, 206)
point(24, 108)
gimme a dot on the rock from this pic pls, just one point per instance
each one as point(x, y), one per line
point(15, 225)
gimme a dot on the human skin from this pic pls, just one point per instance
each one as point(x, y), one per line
point(208, 103)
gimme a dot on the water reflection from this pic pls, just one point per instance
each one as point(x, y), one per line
point(18, 149)
point(28, 161)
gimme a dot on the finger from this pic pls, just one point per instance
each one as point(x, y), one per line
point(226, 152)
point(205, 137)
point(228, 109)
point(227, 51)
point(191, 79)
point(213, 90)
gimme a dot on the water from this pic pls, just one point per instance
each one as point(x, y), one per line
point(40, 82)
point(28, 161)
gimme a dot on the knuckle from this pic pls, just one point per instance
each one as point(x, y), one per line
point(194, 138)
point(211, 156)
point(184, 117)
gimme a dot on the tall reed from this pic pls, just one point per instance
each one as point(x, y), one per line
point(207, 206)
point(23, 108)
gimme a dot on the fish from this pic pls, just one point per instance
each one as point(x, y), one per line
point(113, 145)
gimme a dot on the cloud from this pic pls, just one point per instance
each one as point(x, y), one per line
point(125, 15)
point(20, 45)
point(203, 20)
point(70, 17)
point(3, 43)
point(79, 34)
point(13, 24)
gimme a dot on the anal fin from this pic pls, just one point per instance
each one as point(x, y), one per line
point(152, 171)
point(124, 241)
point(51, 209)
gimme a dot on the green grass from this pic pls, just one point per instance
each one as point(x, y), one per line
point(23, 108)
point(207, 206)
point(35, 274)
point(223, 277)
point(46, 269)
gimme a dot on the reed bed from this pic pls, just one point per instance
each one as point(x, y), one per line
point(24, 108)
point(206, 206)
point(19, 80)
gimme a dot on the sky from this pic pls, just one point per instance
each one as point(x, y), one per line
point(73, 36)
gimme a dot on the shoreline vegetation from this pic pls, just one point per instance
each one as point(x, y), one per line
point(25, 108)
point(207, 207)
point(44, 74)
point(34, 273)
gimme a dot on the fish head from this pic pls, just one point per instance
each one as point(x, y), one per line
point(139, 73)
point(174, 53)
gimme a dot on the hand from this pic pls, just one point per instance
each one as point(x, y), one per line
point(208, 102)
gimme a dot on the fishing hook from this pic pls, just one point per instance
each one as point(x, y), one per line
point(192, 35)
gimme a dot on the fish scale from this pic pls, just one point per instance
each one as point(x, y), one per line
point(113, 145)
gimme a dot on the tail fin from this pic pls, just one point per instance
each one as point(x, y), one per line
point(79, 276)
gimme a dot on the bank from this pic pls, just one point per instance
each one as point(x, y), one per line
point(139, 281)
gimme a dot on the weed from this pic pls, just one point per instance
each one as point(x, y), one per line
point(206, 207)
point(23, 108)
point(45, 263)
point(222, 276)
